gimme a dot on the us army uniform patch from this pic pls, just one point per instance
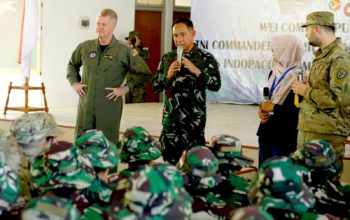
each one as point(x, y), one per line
point(341, 74)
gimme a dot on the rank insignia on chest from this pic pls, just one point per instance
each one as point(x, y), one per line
point(108, 57)
point(341, 74)
point(92, 54)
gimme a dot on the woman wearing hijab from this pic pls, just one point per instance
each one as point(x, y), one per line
point(279, 115)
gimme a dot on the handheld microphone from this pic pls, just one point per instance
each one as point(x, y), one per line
point(179, 51)
point(266, 93)
point(300, 75)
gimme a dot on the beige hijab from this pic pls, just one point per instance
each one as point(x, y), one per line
point(287, 51)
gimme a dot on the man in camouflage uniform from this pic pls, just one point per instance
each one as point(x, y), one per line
point(13, 156)
point(212, 192)
point(250, 213)
point(104, 156)
point(137, 94)
point(105, 62)
point(138, 149)
point(62, 170)
point(319, 158)
point(185, 84)
point(279, 189)
point(34, 131)
point(154, 192)
point(325, 110)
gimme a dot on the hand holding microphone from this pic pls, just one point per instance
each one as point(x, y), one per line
point(300, 76)
point(266, 107)
point(179, 52)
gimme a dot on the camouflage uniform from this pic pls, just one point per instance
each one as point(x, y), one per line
point(101, 70)
point(279, 189)
point(325, 111)
point(228, 151)
point(211, 192)
point(50, 207)
point(93, 201)
point(319, 157)
point(62, 165)
point(9, 187)
point(250, 213)
point(138, 145)
point(12, 155)
point(136, 95)
point(155, 192)
point(138, 148)
point(33, 128)
point(184, 113)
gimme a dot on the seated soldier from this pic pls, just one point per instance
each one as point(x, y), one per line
point(34, 131)
point(319, 158)
point(9, 191)
point(278, 188)
point(153, 192)
point(104, 156)
point(61, 170)
point(13, 156)
point(138, 149)
point(211, 192)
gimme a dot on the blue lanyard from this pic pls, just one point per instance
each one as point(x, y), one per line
point(274, 85)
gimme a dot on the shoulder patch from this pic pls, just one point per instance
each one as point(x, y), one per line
point(92, 54)
point(341, 74)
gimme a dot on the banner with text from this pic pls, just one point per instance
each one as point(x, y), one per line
point(238, 34)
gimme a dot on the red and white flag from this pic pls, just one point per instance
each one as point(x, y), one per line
point(30, 33)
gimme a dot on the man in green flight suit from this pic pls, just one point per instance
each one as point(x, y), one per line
point(325, 110)
point(105, 62)
point(137, 94)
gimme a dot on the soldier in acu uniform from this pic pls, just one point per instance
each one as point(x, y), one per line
point(325, 109)
point(185, 84)
point(105, 62)
point(136, 95)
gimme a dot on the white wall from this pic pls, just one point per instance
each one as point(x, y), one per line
point(61, 34)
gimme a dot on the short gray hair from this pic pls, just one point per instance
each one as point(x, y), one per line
point(109, 12)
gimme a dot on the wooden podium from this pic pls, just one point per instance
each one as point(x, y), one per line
point(26, 89)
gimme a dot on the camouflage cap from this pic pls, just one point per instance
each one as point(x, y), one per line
point(95, 146)
point(34, 127)
point(153, 194)
point(317, 154)
point(62, 165)
point(9, 187)
point(323, 18)
point(199, 161)
point(250, 213)
point(133, 34)
point(278, 185)
point(228, 149)
point(137, 144)
point(50, 207)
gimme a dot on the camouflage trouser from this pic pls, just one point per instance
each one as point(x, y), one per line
point(135, 95)
point(337, 142)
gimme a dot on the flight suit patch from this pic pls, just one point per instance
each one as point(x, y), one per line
point(92, 54)
point(108, 57)
point(341, 74)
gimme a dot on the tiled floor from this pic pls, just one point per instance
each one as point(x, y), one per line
point(238, 120)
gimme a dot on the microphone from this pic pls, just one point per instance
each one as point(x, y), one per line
point(300, 76)
point(179, 51)
point(266, 93)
